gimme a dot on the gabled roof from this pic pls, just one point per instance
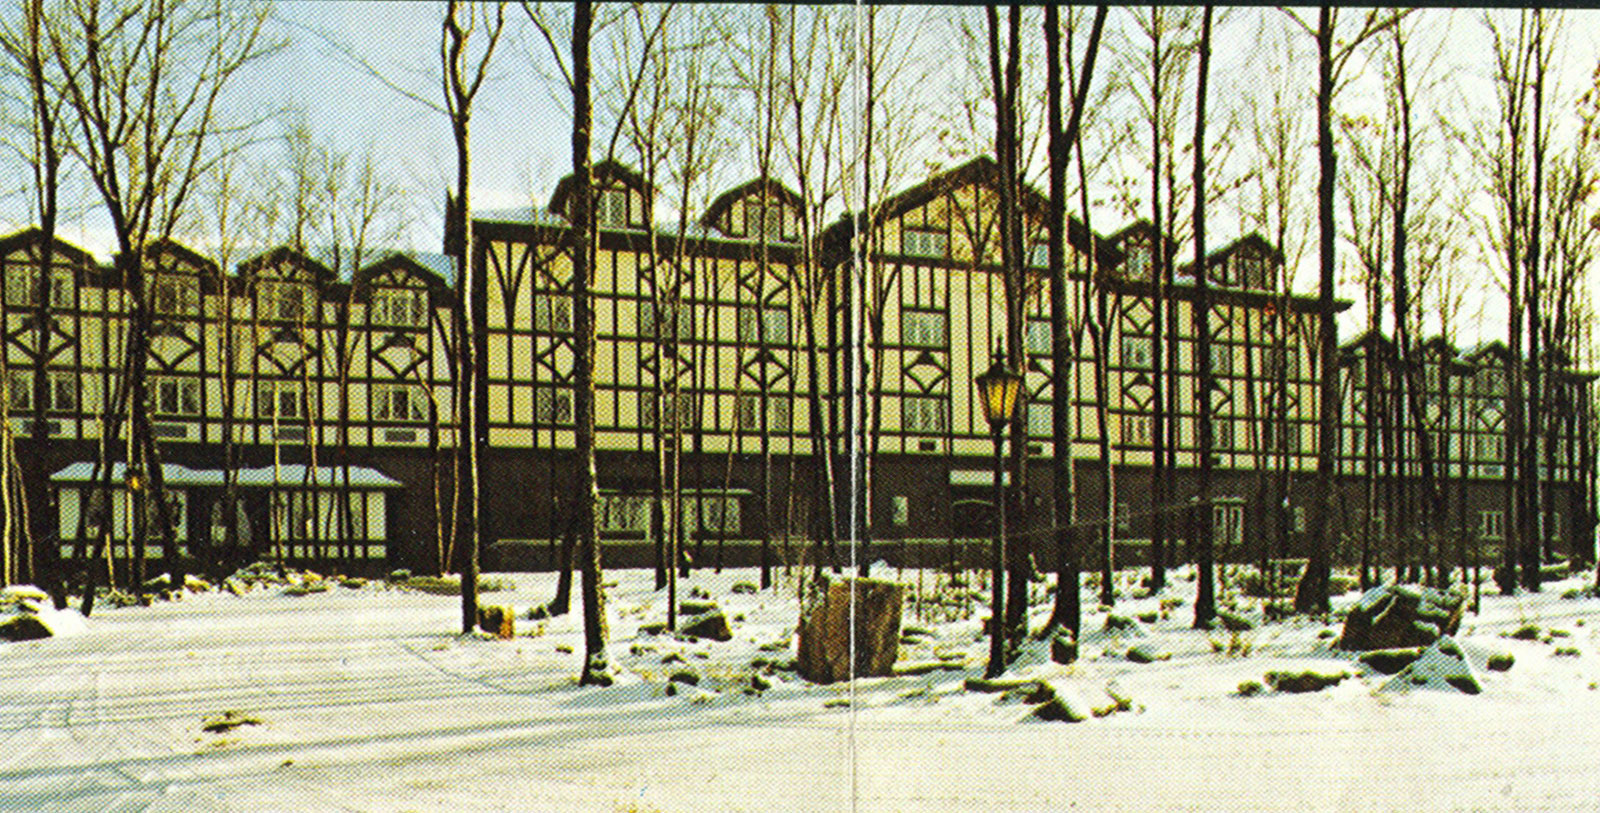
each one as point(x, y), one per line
point(608, 170)
point(183, 254)
point(33, 235)
point(423, 265)
point(1140, 227)
point(286, 254)
point(1370, 341)
point(770, 186)
point(980, 171)
point(1252, 240)
point(1478, 352)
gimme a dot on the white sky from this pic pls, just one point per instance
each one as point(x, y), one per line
point(520, 129)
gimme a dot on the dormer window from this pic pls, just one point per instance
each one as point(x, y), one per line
point(611, 208)
point(922, 243)
point(764, 220)
point(285, 301)
point(1138, 262)
point(400, 307)
point(174, 294)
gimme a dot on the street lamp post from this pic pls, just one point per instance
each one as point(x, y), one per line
point(998, 389)
point(133, 480)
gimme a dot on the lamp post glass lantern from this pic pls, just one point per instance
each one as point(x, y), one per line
point(998, 389)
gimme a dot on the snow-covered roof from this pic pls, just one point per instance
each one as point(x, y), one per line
point(288, 474)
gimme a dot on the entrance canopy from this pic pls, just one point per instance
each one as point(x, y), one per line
point(291, 475)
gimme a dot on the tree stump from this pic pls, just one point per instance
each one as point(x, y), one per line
point(825, 631)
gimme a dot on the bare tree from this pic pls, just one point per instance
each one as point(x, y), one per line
point(1332, 56)
point(1067, 613)
point(144, 129)
point(42, 150)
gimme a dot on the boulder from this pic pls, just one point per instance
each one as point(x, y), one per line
point(1144, 653)
point(23, 627)
point(501, 621)
point(1063, 647)
point(18, 593)
point(1401, 616)
point(1233, 622)
point(712, 625)
point(41, 621)
point(1307, 681)
point(693, 607)
point(825, 626)
point(1441, 664)
point(1390, 661)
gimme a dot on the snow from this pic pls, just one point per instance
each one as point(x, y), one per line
point(370, 699)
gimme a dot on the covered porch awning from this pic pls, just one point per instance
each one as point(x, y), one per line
point(289, 475)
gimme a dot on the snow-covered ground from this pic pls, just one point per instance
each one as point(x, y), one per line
point(367, 699)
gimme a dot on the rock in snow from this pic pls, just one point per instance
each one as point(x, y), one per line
point(1395, 616)
point(1440, 665)
point(37, 620)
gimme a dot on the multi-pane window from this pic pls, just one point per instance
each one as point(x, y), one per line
point(1036, 337)
point(923, 243)
point(174, 294)
point(552, 406)
point(1138, 262)
point(1221, 359)
point(1492, 524)
point(712, 514)
point(287, 301)
point(1135, 429)
point(397, 402)
point(664, 321)
point(747, 412)
point(19, 390)
point(1491, 447)
point(60, 392)
point(174, 396)
point(680, 410)
point(400, 307)
point(21, 288)
point(619, 512)
point(924, 415)
point(763, 220)
point(901, 510)
point(920, 328)
point(1138, 352)
point(280, 399)
point(1041, 417)
point(1221, 434)
point(611, 208)
point(764, 326)
point(552, 313)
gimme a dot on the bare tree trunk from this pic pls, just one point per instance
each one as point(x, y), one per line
point(596, 668)
point(1312, 594)
point(1205, 602)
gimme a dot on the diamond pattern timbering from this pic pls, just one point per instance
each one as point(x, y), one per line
point(171, 348)
point(1137, 317)
point(26, 337)
point(927, 372)
point(666, 367)
point(1139, 392)
point(555, 360)
point(399, 355)
point(765, 369)
point(288, 355)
